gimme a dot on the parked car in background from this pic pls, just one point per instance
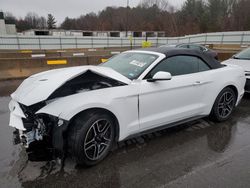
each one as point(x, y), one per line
point(195, 47)
point(242, 59)
point(82, 111)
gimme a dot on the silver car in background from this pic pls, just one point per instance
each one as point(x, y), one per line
point(242, 59)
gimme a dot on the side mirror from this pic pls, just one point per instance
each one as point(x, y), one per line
point(160, 76)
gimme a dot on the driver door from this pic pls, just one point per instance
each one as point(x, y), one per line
point(167, 101)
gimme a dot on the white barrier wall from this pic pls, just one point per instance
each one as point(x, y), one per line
point(65, 42)
point(2, 27)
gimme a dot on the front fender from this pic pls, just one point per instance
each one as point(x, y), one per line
point(67, 107)
point(124, 107)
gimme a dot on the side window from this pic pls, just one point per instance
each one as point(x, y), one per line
point(202, 65)
point(179, 65)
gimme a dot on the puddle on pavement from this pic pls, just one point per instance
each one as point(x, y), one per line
point(151, 160)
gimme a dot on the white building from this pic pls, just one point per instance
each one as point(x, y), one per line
point(2, 27)
point(5, 27)
point(61, 32)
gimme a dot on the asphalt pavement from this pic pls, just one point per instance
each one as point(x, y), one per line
point(199, 154)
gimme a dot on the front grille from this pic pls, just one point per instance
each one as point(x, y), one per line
point(31, 120)
point(30, 111)
point(26, 111)
point(28, 124)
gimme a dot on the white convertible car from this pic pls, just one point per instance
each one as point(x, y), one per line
point(83, 111)
point(242, 59)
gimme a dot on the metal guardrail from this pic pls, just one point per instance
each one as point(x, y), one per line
point(67, 42)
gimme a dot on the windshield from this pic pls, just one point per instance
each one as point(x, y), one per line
point(245, 54)
point(131, 64)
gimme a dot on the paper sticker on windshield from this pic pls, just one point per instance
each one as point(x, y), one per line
point(138, 63)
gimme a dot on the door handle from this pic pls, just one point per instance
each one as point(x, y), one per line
point(197, 83)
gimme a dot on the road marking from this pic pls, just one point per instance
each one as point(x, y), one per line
point(114, 53)
point(78, 54)
point(92, 50)
point(104, 60)
point(26, 51)
point(37, 55)
point(57, 62)
point(61, 51)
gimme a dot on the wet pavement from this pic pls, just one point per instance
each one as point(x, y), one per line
point(198, 154)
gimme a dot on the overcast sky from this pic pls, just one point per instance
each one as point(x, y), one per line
point(62, 8)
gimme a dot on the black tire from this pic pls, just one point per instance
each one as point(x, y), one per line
point(223, 107)
point(85, 138)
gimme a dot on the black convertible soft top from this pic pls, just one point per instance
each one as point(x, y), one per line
point(169, 52)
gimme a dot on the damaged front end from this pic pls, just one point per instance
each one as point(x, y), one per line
point(43, 135)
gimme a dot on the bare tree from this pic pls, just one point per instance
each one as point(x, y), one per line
point(32, 20)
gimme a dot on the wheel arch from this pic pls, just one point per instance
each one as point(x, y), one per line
point(214, 112)
point(229, 85)
point(104, 110)
point(234, 88)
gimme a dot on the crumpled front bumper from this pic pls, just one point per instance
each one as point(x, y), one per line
point(39, 146)
point(16, 115)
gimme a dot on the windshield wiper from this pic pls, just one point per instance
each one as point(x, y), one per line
point(234, 57)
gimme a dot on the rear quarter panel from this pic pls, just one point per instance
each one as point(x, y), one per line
point(228, 75)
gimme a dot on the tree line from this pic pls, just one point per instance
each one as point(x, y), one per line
point(31, 21)
point(194, 16)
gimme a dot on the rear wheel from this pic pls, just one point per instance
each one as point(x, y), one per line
point(91, 137)
point(224, 105)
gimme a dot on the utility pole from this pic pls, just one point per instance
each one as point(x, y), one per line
point(127, 18)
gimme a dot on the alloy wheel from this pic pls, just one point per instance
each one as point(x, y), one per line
point(98, 139)
point(226, 104)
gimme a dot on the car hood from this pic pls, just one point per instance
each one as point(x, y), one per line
point(245, 64)
point(40, 86)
